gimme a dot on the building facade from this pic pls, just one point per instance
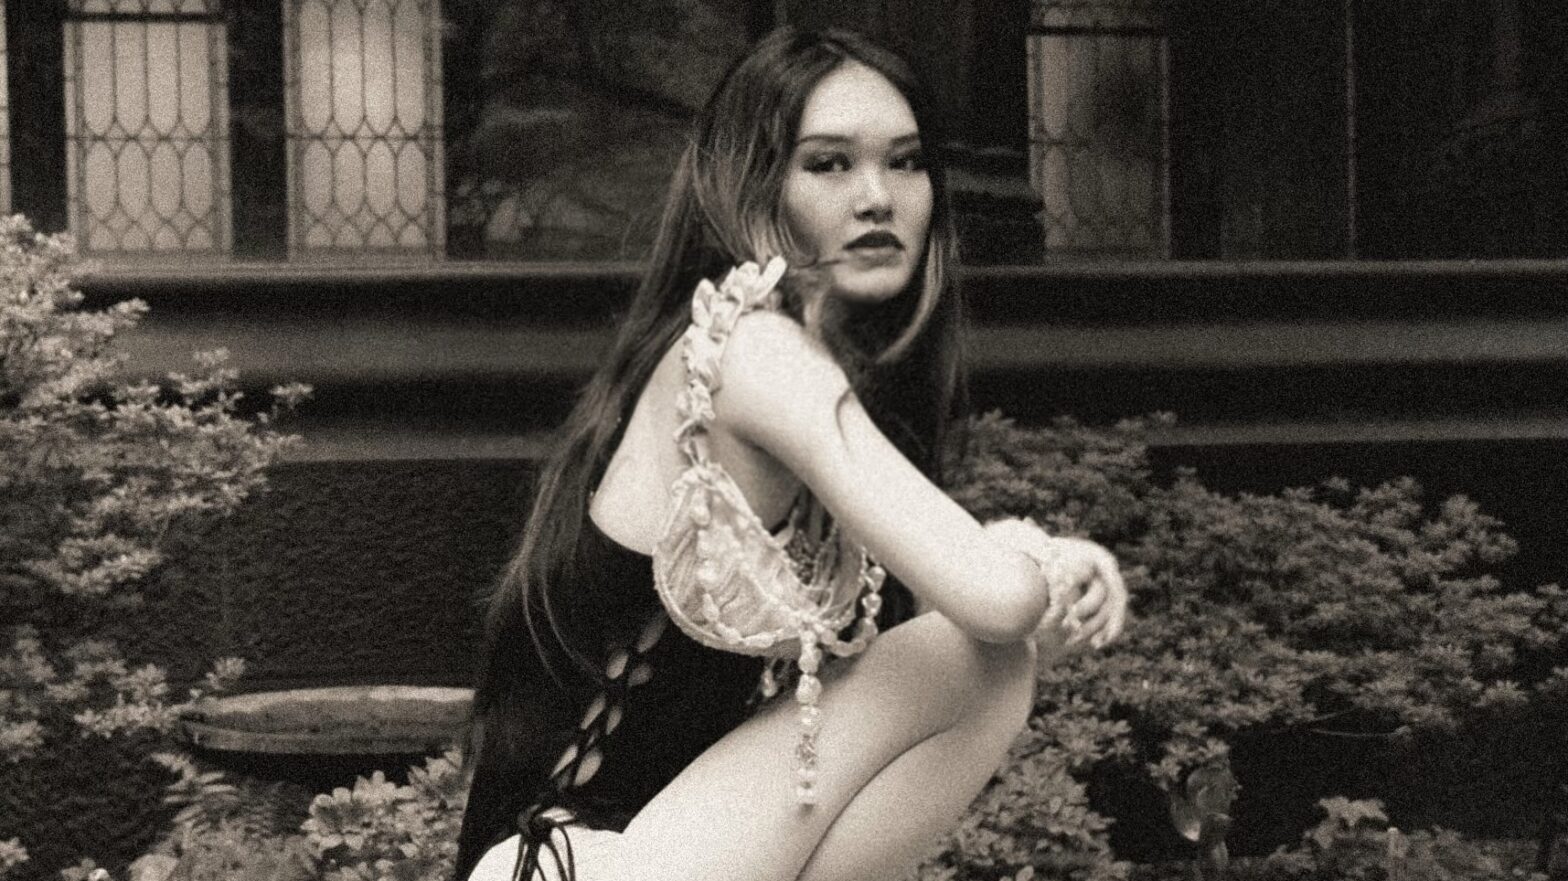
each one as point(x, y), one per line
point(354, 131)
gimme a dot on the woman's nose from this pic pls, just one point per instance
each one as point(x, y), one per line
point(872, 200)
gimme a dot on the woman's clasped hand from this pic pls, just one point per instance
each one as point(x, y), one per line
point(1088, 607)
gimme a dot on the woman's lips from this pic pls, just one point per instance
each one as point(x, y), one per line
point(873, 257)
point(875, 241)
point(876, 248)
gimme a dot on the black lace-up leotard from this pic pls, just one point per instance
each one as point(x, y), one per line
point(622, 742)
point(744, 601)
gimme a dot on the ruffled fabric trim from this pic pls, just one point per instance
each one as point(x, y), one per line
point(714, 313)
point(723, 578)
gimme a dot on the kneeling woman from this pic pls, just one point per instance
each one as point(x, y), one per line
point(693, 669)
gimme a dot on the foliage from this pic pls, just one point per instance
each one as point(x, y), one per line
point(1035, 820)
point(225, 830)
point(375, 831)
point(228, 851)
point(1340, 611)
point(99, 468)
point(86, 870)
point(87, 686)
point(12, 854)
point(209, 800)
point(1354, 842)
point(379, 830)
point(98, 472)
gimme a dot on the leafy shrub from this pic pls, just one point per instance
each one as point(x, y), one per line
point(1036, 817)
point(12, 854)
point(1339, 611)
point(374, 831)
point(227, 830)
point(227, 851)
point(97, 472)
point(381, 830)
point(1354, 842)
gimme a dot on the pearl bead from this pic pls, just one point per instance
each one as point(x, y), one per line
point(806, 751)
point(810, 724)
point(809, 689)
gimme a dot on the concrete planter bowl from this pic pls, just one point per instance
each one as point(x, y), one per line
point(327, 735)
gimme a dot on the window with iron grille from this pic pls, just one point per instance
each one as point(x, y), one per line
point(146, 126)
point(365, 163)
point(1097, 98)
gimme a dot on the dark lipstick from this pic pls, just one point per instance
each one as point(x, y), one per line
point(877, 238)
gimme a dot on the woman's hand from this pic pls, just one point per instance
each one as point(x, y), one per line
point(1088, 607)
point(1089, 583)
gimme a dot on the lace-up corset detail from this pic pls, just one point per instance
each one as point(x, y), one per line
point(724, 579)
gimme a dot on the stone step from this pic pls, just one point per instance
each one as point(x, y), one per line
point(481, 360)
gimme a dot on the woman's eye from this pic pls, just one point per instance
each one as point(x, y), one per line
point(827, 162)
point(915, 161)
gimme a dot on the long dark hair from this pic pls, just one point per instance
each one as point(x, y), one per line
point(724, 207)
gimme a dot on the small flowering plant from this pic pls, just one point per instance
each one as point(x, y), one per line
point(98, 471)
point(379, 830)
point(89, 682)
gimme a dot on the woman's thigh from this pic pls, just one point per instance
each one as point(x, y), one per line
point(911, 706)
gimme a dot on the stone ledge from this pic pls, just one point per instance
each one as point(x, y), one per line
point(388, 443)
point(391, 351)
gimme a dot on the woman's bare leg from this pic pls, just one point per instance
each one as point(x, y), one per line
point(910, 733)
point(922, 794)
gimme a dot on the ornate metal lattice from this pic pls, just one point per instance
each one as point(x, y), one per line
point(1098, 119)
point(147, 152)
point(363, 94)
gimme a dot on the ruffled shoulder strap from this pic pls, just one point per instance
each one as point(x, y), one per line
point(714, 312)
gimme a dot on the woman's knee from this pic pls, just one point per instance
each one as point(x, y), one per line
point(1008, 682)
point(968, 674)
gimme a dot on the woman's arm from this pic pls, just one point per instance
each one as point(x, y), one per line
point(1088, 597)
point(783, 392)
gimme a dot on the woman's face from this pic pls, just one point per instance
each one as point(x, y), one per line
point(856, 193)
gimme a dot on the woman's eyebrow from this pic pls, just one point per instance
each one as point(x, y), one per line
point(901, 140)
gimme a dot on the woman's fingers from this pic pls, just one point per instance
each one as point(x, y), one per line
point(1084, 610)
point(1099, 626)
point(1063, 580)
point(1099, 610)
point(1115, 605)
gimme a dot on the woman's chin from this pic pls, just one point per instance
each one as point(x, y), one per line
point(870, 286)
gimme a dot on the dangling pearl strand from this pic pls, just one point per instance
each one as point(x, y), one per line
point(809, 690)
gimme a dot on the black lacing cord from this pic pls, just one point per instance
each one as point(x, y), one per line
point(537, 823)
point(536, 828)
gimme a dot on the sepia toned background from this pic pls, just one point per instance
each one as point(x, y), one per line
point(1331, 237)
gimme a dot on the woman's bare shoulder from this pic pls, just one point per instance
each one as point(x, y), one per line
point(770, 354)
point(780, 390)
